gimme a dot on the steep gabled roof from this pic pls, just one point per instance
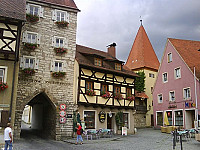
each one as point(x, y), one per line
point(142, 53)
point(188, 50)
point(15, 9)
point(63, 3)
point(82, 53)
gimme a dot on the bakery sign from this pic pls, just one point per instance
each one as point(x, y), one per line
point(102, 116)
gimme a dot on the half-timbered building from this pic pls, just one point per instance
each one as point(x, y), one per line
point(12, 16)
point(105, 87)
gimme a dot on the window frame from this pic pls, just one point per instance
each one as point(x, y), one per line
point(65, 42)
point(94, 126)
point(5, 68)
point(87, 82)
point(23, 62)
point(25, 37)
point(52, 68)
point(151, 75)
point(118, 66)
point(58, 62)
point(115, 87)
point(187, 98)
point(178, 120)
point(128, 89)
point(107, 87)
point(60, 15)
point(175, 75)
point(170, 96)
point(161, 123)
point(164, 77)
point(158, 98)
point(168, 57)
point(97, 61)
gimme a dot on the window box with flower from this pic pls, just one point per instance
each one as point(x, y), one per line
point(58, 74)
point(60, 50)
point(118, 96)
point(105, 94)
point(30, 46)
point(28, 71)
point(90, 92)
point(130, 97)
point(3, 86)
point(32, 18)
point(62, 24)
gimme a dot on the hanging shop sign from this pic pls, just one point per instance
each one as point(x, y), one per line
point(62, 119)
point(102, 116)
point(62, 107)
point(62, 113)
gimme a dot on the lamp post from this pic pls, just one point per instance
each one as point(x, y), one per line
point(196, 110)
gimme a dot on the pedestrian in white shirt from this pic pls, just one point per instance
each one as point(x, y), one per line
point(8, 137)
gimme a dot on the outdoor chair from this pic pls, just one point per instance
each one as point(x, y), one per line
point(88, 135)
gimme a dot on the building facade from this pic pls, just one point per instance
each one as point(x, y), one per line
point(142, 58)
point(105, 87)
point(177, 90)
point(46, 74)
point(12, 16)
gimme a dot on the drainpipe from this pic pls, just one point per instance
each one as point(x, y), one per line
point(196, 110)
point(14, 69)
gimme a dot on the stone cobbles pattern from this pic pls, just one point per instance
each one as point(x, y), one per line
point(144, 139)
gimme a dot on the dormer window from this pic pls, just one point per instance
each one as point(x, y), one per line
point(118, 66)
point(98, 62)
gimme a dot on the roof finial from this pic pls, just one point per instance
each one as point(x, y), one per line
point(141, 20)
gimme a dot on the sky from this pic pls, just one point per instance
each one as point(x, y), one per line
point(102, 22)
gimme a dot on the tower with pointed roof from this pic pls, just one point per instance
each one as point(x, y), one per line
point(143, 58)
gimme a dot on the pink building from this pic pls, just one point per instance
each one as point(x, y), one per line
point(175, 91)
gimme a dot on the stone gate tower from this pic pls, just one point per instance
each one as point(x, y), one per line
point(46, 67)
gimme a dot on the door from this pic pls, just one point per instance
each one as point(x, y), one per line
point(109, 122)
point(152, 122)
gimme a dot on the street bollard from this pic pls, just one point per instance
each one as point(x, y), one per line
point(174, 141)
point(181, 142)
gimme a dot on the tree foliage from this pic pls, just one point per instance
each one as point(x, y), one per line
point(140, 81)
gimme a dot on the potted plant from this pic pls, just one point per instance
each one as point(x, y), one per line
point(30, 46)
point(58, 74)
point(118, 96)
point(90, 92)
point(62, 23)
point(28, 71)
point(60, 50)
point(105, 94)
point(119, 121)
point(3, 86)
point(130, 97)
point(32, 18)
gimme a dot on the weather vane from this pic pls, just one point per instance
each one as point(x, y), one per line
point(141, 20)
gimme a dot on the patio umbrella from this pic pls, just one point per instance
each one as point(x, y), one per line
point(166, 122)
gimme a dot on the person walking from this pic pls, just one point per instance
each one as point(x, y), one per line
point(8, 137)
point(79, 128)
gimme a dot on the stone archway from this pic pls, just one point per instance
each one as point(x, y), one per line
point(43, 122)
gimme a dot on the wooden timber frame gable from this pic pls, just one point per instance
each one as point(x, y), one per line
point(10, 32)
point(112, 79)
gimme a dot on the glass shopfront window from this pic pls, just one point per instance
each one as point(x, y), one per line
point(179, 118)
point(89, 118)
point(160, 118)
point(169, 116)
point(125, 120)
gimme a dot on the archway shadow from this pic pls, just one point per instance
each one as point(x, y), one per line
point(43, 118)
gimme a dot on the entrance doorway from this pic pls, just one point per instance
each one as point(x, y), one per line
point(110, 120)
point(152, 121)
point(39, 118)
point(189, 119)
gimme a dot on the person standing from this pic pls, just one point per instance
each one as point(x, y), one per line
point(8, 137)
point(79, 128)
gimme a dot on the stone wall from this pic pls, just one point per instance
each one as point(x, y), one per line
point(140, 120)
point(58, 90)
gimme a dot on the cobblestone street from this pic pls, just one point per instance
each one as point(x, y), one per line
point(144, 139)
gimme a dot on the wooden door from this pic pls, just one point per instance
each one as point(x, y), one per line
point(4, 118)
point(109, 122)
point(152, 122)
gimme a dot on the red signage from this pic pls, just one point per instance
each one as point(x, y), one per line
point(62, 107)
point(62, 119)
point(62, 113)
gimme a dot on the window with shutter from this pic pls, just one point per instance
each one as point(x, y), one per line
point(29, 62)
point(31, 37)
point(35, 10)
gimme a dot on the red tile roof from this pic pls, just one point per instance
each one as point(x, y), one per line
point(83, 52)
point(15, 9)
point(188, 50)
point(142, 53)
point(141, 94)
point(63, 3)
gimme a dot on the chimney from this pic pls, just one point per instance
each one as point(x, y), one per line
point(111, 50)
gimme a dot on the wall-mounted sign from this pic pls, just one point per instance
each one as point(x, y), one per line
point(189, 104)
point(172, 106)
point(62, 119)
point(69, 115)
point(62, 113)
point(102, 116)
point(62, 107)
